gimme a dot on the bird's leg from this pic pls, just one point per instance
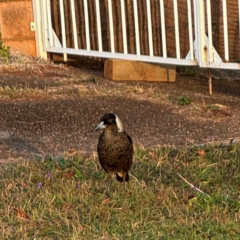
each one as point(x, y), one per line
point(124, 174)
point(109, 180)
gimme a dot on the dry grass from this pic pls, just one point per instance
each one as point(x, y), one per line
point(17, 92)
point(67, 198)
point(17, 60)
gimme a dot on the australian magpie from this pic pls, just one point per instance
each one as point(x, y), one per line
point(115, 147)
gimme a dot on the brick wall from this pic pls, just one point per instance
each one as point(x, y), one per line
point(15, 18)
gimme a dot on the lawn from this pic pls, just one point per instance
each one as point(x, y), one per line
point(67, 197)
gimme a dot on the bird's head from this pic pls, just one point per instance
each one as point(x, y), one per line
point(110, 119)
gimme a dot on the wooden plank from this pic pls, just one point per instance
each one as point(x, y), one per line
point(116, 69)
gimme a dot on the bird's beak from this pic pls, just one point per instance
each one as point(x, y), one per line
point(100, 126)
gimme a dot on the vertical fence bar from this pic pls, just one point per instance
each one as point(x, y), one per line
point(176, 23)
point(111, 26)
point(123, 14)
point(49, 23)
point(149, 21)
point(44, 23)
point(74, 25)
point(163, 28)
point(199, 30)
point(86, 19)
point(209, 22)
point(137, 39)
point(202, 36)
point(38, 34)
point(239, 16)
point(189, 7)
point(225, 30)
point(196, 23)
point(99, 29)
point(63, 28)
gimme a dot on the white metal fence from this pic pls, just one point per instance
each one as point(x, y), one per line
point(199, 32)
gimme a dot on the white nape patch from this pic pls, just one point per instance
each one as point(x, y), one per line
point(119, 124)
point(100, 125)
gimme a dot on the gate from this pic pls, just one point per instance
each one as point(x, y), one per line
point(179, 32)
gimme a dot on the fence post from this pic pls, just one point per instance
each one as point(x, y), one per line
point(199, 23)
point(38, 29)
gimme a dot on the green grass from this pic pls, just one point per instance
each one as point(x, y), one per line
point(4, 50)
point(181, 101)
point(67, 197)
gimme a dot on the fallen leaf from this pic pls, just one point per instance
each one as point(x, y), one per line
point(201, 152)
point(22, 184)
point(68, 175)
point(66, 207)
point(21, 214)
point(105, 201)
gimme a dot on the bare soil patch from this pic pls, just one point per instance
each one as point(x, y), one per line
point(47, 108)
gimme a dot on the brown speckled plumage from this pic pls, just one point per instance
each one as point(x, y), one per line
point(115, 148)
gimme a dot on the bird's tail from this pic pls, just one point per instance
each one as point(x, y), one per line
point(120, 178)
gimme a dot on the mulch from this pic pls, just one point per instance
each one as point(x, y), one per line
point(150, 113)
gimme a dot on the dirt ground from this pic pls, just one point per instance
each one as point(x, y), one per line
point(53, 109)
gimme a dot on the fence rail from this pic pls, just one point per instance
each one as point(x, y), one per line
point(179, 32)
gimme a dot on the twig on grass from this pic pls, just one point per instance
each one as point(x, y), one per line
point(194, 188)
point(135, 178)
point(196, 107)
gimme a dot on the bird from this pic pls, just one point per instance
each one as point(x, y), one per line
point(115, 148)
